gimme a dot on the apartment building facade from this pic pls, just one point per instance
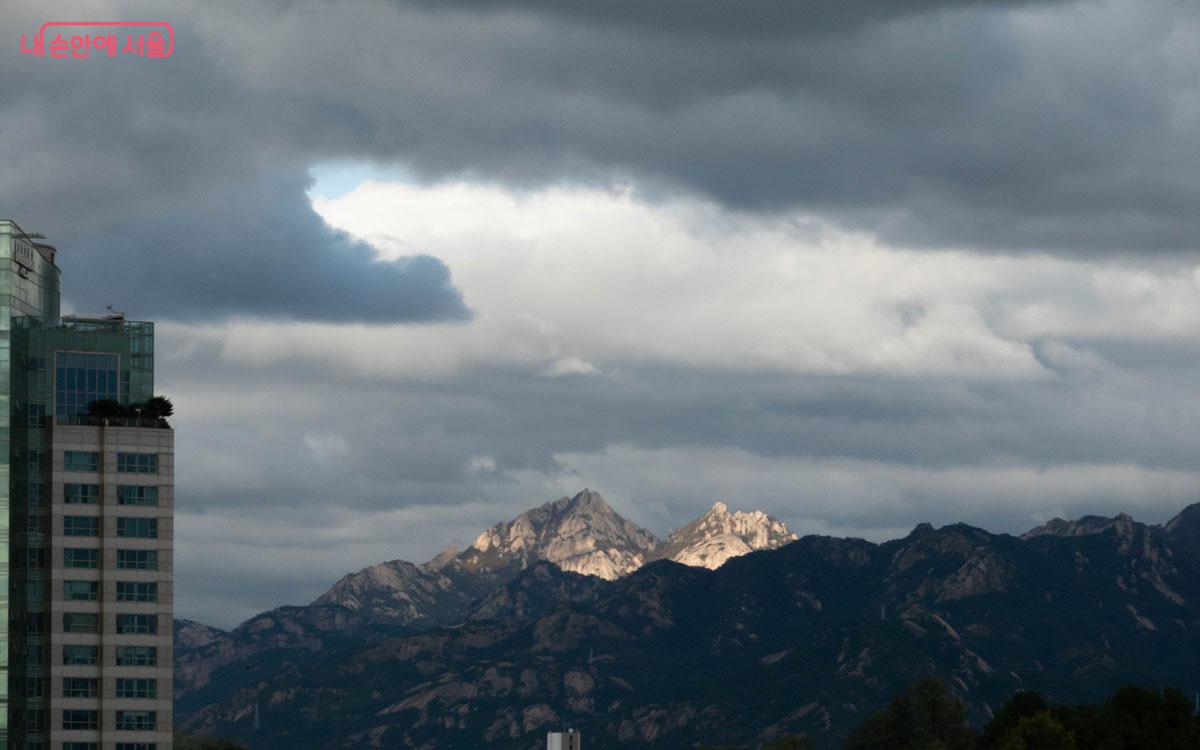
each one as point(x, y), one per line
point(86, 509)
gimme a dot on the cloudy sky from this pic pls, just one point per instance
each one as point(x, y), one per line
point(417, 266)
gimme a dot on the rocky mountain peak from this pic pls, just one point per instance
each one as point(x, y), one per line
point(190, 634)
point(1186, 525)
point(441, 559)
point(580, 534)
point(394, 591)
point(1123, 525)
point(718, 535)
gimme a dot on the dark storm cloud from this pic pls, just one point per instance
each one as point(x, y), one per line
point(172, 193)
point(720, 18)
point(252, 248)
point(1073, 127)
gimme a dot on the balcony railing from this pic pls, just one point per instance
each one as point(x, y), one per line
point(88, 420)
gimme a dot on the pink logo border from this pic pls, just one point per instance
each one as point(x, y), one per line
point(38, 39)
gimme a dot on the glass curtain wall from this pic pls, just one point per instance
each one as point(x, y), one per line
point(29, 286)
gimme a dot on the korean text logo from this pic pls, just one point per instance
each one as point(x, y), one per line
point(102, 38)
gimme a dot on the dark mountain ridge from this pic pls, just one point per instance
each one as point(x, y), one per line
point(808, 637)
point(581, 533)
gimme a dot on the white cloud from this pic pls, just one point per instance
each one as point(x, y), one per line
point(604, 279)
point(570, 366)
point(580, 281)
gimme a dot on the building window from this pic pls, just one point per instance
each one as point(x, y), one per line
point(81, 719)
point(137, 656)
point(80, 379)
point(34, 686)
point(33, 720)
point(77, 746)
point(81, 494)
point(35, 493)
point(132, 494)
point(137, 624)
point(138, 528)
point(137, 591)
point(37, 415)
point(81, 687)
point(137, 688)
point(81, 526)
point(35, 591)
point(33, 523)
point(136, 721)
point(81, 461)
point(137, 463)
point(75, 655)
point(81, 558)
point(81, 622)
point(137, 746)
point(137, 559)
point(81, 591)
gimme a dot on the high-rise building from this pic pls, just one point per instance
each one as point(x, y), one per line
point(85, 520)
point(568, 740)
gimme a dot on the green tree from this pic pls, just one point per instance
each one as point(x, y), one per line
point(158, 407)
point(1140, 719)
point(1133, 719)
point(107, 408)
point(924, 717)
point(1023, 704)
point(1040, 731)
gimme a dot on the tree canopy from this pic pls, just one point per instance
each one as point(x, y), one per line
point(924, 716)
point(927, 716)
point(156, 408)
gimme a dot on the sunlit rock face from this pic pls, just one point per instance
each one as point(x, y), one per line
point(581, 534)
point(718, 535)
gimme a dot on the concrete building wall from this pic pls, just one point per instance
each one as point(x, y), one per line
point(108, 442)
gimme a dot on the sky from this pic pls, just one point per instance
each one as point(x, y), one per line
point(418, 266)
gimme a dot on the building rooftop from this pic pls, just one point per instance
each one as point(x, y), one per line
point(45, 249)
point(112, 322)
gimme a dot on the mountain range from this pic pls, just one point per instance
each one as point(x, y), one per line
point(580, 534)
point(570, 613)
